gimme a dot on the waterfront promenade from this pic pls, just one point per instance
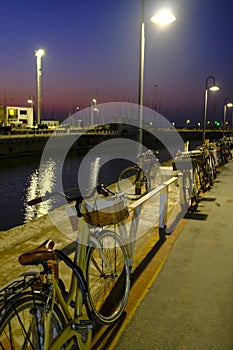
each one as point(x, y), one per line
point(189, 304)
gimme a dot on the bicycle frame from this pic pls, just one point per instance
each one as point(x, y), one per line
point(73, 327)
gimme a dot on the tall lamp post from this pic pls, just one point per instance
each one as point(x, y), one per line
point(228, 104)
point(31, 101)
point(39, 53)
point(213, 87)
point(93, 108)
point(163, 17)
point(156, 97)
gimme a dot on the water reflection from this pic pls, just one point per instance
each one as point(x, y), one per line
point(40, 182)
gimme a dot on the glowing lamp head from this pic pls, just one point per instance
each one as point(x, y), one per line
point(163, 17)
point(39, 53)
point(214, 88)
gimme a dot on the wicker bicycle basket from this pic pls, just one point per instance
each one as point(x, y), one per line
point(106, 211)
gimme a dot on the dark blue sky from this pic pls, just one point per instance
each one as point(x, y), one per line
point(92, 50)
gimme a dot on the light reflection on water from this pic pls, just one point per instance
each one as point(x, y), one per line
point(19, 182)
point(43, 181)
point(36, 188)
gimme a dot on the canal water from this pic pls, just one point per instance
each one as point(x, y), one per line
point(19, 182)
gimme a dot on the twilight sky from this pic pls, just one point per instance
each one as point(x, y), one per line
point(92, 50)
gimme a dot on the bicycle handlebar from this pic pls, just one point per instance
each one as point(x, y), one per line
point(101, 189)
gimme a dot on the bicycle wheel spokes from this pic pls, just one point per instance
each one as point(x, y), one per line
point(108, 277)
point(23, 324)
point(20, 332)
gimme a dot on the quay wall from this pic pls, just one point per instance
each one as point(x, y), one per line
point(26, 145)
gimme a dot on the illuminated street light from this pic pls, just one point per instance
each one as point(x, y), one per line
point(187, 123)
point(93, 108)
point(227, 104)
point(31, 102)
point(39, 53)
point(213, 88)
point(158, 19)
point(163, 17)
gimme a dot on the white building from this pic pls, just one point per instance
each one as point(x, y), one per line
point(16, 116)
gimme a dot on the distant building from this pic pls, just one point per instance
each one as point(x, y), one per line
point(51, 124)
point(16, 116)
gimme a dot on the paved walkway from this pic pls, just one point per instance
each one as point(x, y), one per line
point(190, 304)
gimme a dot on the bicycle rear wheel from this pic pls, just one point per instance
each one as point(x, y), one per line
point(108, 280)
point(133, 182)
point(22, 324)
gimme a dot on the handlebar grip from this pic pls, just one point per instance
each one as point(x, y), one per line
point(101, 189)
point(35, 201)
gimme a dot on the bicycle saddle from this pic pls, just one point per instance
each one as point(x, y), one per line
point(38, 255)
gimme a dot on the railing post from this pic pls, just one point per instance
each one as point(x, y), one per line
point(131, 237)
point(163, 213)
point(181, 190)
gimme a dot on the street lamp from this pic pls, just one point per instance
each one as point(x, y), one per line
point(31, 102)
point(229, 105)
point(93, 108)
point(163, 18)
point(187, 123)
point(213, 87)
point(39, 53)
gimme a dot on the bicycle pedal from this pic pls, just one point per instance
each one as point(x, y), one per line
point(82, 325)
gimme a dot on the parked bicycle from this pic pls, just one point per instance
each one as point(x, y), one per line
point(188, 181)
point(205, 166)
point(223, 151)
point(39, 311)
point(135, 181)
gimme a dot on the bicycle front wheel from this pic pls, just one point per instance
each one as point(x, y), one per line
point(133, 182)
point(22, 323)
point(108, 277)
